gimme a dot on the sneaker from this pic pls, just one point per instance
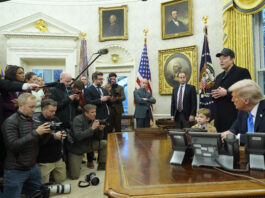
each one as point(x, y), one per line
point(101, 166)
point(90, 165)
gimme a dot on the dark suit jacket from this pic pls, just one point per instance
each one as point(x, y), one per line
point(189, 101)
point(240, 125)
point(225, 112)
point(92, 97)
point(142, 108)
point(172, 28)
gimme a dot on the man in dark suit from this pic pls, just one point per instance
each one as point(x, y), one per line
point(143, 99)
point(249, 100)
point(225, 112)
point(175, 25)
point(96, 95)
point(183, 103)
point(116, 108)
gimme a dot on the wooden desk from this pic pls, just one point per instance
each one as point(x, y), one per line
point(138, 166)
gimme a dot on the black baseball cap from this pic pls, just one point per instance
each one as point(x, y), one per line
point(226, 52)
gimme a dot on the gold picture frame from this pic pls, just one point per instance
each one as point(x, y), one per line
point(173, 61)
point(176, 19)
point(113, 23)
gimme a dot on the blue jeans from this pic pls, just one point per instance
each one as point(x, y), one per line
point(18, 182)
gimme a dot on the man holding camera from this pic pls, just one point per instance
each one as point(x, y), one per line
point(96, 95)
point(116, 108)
point(67, 101)
point(50, 154)
point(87, 134)
point(21, 173)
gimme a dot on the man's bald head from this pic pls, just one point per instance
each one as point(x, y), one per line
point(144, 83)
point(66, 78)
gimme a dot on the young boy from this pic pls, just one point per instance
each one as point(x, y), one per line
point(203, 118)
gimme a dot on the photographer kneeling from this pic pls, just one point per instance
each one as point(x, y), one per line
point(87, 134)
point(50, 153)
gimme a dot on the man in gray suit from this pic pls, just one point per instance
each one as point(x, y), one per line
point(143, 99)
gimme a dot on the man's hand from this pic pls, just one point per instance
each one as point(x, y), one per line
point(145, 99)
point(191, 118)
point(172, 118)
point(72, 97)
point(15, 102)
point(44, 128)
point(101, 127)
point(219, 92)
point(113, 98)
point(224, 134)
point(105, 98)
point(95, 124)
point(60, 136)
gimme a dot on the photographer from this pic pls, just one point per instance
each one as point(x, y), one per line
point(21, 173)
point(50, 153)
point(87, 134)
point(116, 108)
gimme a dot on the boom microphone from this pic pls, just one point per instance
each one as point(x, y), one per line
point(51, 84)
point(103, 51)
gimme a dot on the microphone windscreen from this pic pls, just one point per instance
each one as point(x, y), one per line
point(103, 51)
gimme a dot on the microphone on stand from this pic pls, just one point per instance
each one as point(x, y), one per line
point(103, 51)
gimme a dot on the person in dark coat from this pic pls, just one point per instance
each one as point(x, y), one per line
point(21, 171)
point(96, 95)
point(67, 101)
point(183, 103)
point(10, 105)
point(143, 100)
point(225, 112)
point(249, 100)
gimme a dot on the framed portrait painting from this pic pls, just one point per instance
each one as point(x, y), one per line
point(113, 23)
point(176, 19)
point(172, 62)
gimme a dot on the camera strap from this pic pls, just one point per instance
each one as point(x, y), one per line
point(83, 184)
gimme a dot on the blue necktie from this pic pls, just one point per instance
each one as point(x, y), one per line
point(250, 123)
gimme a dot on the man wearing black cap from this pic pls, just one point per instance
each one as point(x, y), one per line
point(225, 112)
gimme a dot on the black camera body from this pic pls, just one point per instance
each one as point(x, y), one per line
point(113, 91)
point(102, 122)
point(92, 178)
point(55, 125)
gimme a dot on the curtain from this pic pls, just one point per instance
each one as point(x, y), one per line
point(238, 30)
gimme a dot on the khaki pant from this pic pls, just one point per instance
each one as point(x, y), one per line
point(75, 160)
point(57, 169)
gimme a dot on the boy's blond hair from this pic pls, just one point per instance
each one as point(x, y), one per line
point(204, 111)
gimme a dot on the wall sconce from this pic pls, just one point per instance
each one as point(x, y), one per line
point(115, 58)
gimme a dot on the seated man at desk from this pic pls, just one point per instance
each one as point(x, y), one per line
point(249, 100)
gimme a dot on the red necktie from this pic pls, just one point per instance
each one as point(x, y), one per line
point(180, 99)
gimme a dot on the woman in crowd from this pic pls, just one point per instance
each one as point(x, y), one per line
point(31, 77)
point(10, 104)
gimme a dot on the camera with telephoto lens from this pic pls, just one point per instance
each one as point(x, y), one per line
point(92, 178)
point(60, 188)
point(55, 125)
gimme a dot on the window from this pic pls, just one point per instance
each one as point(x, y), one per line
point(123, 81)
point(259, 47)
point(48, 75)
